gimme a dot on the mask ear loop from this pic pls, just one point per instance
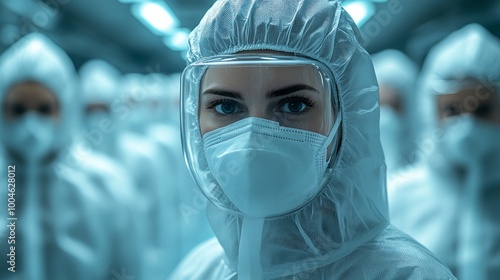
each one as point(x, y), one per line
point(333, 131)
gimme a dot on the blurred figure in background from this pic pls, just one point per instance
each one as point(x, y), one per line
point(396, 75)
point(153, 171)
point(134, 119)
point(98, 137)
point(192, 223)
point(111, 109)
point(99, 83)
point(154, 121)
point(70, 220)
point(449, 201)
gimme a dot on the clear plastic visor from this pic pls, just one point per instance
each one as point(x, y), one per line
point(295, 92)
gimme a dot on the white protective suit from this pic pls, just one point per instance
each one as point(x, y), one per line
point(156, 200)
point(154, 175)
point(448, 201)
point(344, 231)
point(187, 210)
point(397, 72)
point(99, 83)
point(71, 214)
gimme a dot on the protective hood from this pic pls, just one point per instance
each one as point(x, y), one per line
point(398, 72)
point(35, 58)
point(352, 207)
point(465, 59)
point(99, 82)
point(389, 62)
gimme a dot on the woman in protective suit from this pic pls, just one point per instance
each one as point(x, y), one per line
point(280, 129)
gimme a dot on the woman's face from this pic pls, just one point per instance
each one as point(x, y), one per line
point(294, 96)
point(30, 97)
point(480, 102)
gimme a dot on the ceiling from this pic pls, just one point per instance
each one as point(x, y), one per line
point(106, 29)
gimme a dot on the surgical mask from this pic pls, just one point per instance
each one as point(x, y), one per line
point(105, 125)
point(139, 118)
point(267, 170)
point(93, 120)
point(32, 136)
point(468, 140)
point(390, 136)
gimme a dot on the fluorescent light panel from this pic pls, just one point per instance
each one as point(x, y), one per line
point(177, 40)
point(130, 1)
point(360, 11)
point(156, 16)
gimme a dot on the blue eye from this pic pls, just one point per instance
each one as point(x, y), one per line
point(227, 107)
point(294, 107)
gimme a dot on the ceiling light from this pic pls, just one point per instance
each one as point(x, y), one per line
point(131, 1)
point(156, 16)
point(360, 11)
point(177, 40)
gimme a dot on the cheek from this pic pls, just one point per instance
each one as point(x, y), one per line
point(55, 114)
point(208, 122)
point(205, 125)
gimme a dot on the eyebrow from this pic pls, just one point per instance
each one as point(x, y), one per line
point(289, 89)
point(227, 93)
point(272, 94)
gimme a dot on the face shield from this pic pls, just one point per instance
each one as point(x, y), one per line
point(260, 132)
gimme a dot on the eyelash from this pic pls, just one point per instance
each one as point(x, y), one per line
point(293, 98)
point(216, 102)
point(298, 98)
point(211, 105)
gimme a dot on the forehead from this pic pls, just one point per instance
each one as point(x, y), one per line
point(29, 93)
point(480, 94)
point(269, 77)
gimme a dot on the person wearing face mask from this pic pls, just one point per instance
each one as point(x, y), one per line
point(280, 130)
point(97, 152)
point(448, 201)
point(154, 173)
point(68, 216)
point(396, 75)
point(99, 82)
point(192, 225)
point(116, 125)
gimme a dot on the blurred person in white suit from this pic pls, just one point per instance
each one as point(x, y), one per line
point(396, 76)
point(71, 215)
point(449, 200)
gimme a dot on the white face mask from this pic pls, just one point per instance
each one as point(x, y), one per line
point(468, 140)
point(101, 123)
point(32, 136)
point(267, 170)
point(140, 117)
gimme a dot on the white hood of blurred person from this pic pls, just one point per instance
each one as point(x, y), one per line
point(140, 93)
point(152, 166)
point(449, 201)
point(63, 229)
point(100, 85)
point(396, 75)
point(192, 224)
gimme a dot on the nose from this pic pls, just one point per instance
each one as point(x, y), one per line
point(261, 112)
